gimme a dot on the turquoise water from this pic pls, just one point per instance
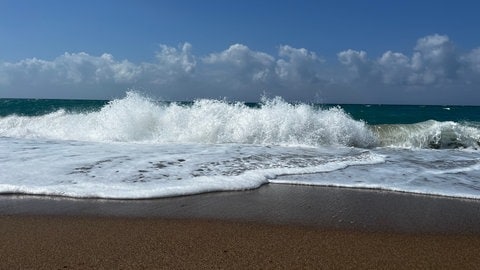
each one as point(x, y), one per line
point(372, 114)
point(35, 107)
point(409, 114)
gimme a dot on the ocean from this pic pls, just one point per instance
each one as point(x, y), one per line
point(136, 147)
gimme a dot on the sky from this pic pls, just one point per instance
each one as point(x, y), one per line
point(375, 52)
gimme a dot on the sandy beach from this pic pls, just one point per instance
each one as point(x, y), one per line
point(275, 226)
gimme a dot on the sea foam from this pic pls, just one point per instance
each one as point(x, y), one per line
point(429, 134)
point(136, 147)
point(136, 118)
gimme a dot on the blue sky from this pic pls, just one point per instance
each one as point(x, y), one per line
point(326, 51)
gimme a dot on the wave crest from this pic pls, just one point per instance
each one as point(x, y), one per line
point(136, 118)
point(429, 134)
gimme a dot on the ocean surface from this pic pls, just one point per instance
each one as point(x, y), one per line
point(136, 147)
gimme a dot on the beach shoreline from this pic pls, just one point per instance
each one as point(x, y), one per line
point(278, 204)
point(275, 226)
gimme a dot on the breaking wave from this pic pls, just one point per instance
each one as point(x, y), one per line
point(429, 134)
point(136, 118)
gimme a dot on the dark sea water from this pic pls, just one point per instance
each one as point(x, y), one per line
point(372, 114)
point(136, 147)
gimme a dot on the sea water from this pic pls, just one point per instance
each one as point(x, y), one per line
point(136, 147)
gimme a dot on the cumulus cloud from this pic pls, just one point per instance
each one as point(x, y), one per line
point(395, 68)
point(243, 69)
point(70, 68)
point(297, 64)
point(434, 61)
point(238, 61)
point(238, 72)
point(472, 60)
point(357, 62)
point(173, 60)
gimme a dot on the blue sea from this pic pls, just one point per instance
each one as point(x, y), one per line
point(136, 147)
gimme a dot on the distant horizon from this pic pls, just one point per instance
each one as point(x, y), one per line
point(252, 102)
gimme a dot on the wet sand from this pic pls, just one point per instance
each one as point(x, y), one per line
point(276, 226)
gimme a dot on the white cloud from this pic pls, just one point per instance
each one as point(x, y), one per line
point(434, 47)
point(174, 60)
point(473, 60)
point(395, 68)
point(352, 58)
point(239, 72)
point(297, 64)
point(359, 66)
point(239, 55)
point(239, 62)
point(70, 68)
point(434, 61)
point(243, 65)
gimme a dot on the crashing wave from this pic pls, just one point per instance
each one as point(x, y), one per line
point(429, 134)
point(136, 118)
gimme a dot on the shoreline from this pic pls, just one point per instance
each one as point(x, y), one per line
point(279, 204)
point(275, 226)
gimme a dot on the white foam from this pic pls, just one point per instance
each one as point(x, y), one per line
point(133, 171)
point(128, 170)
point(137, 148)
point(447, 172)
point(138, 119)
point(474, 167)
point(429, 134)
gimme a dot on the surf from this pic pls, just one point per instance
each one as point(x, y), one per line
point(136, 118)
point(136, 147)
point(429, 134)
